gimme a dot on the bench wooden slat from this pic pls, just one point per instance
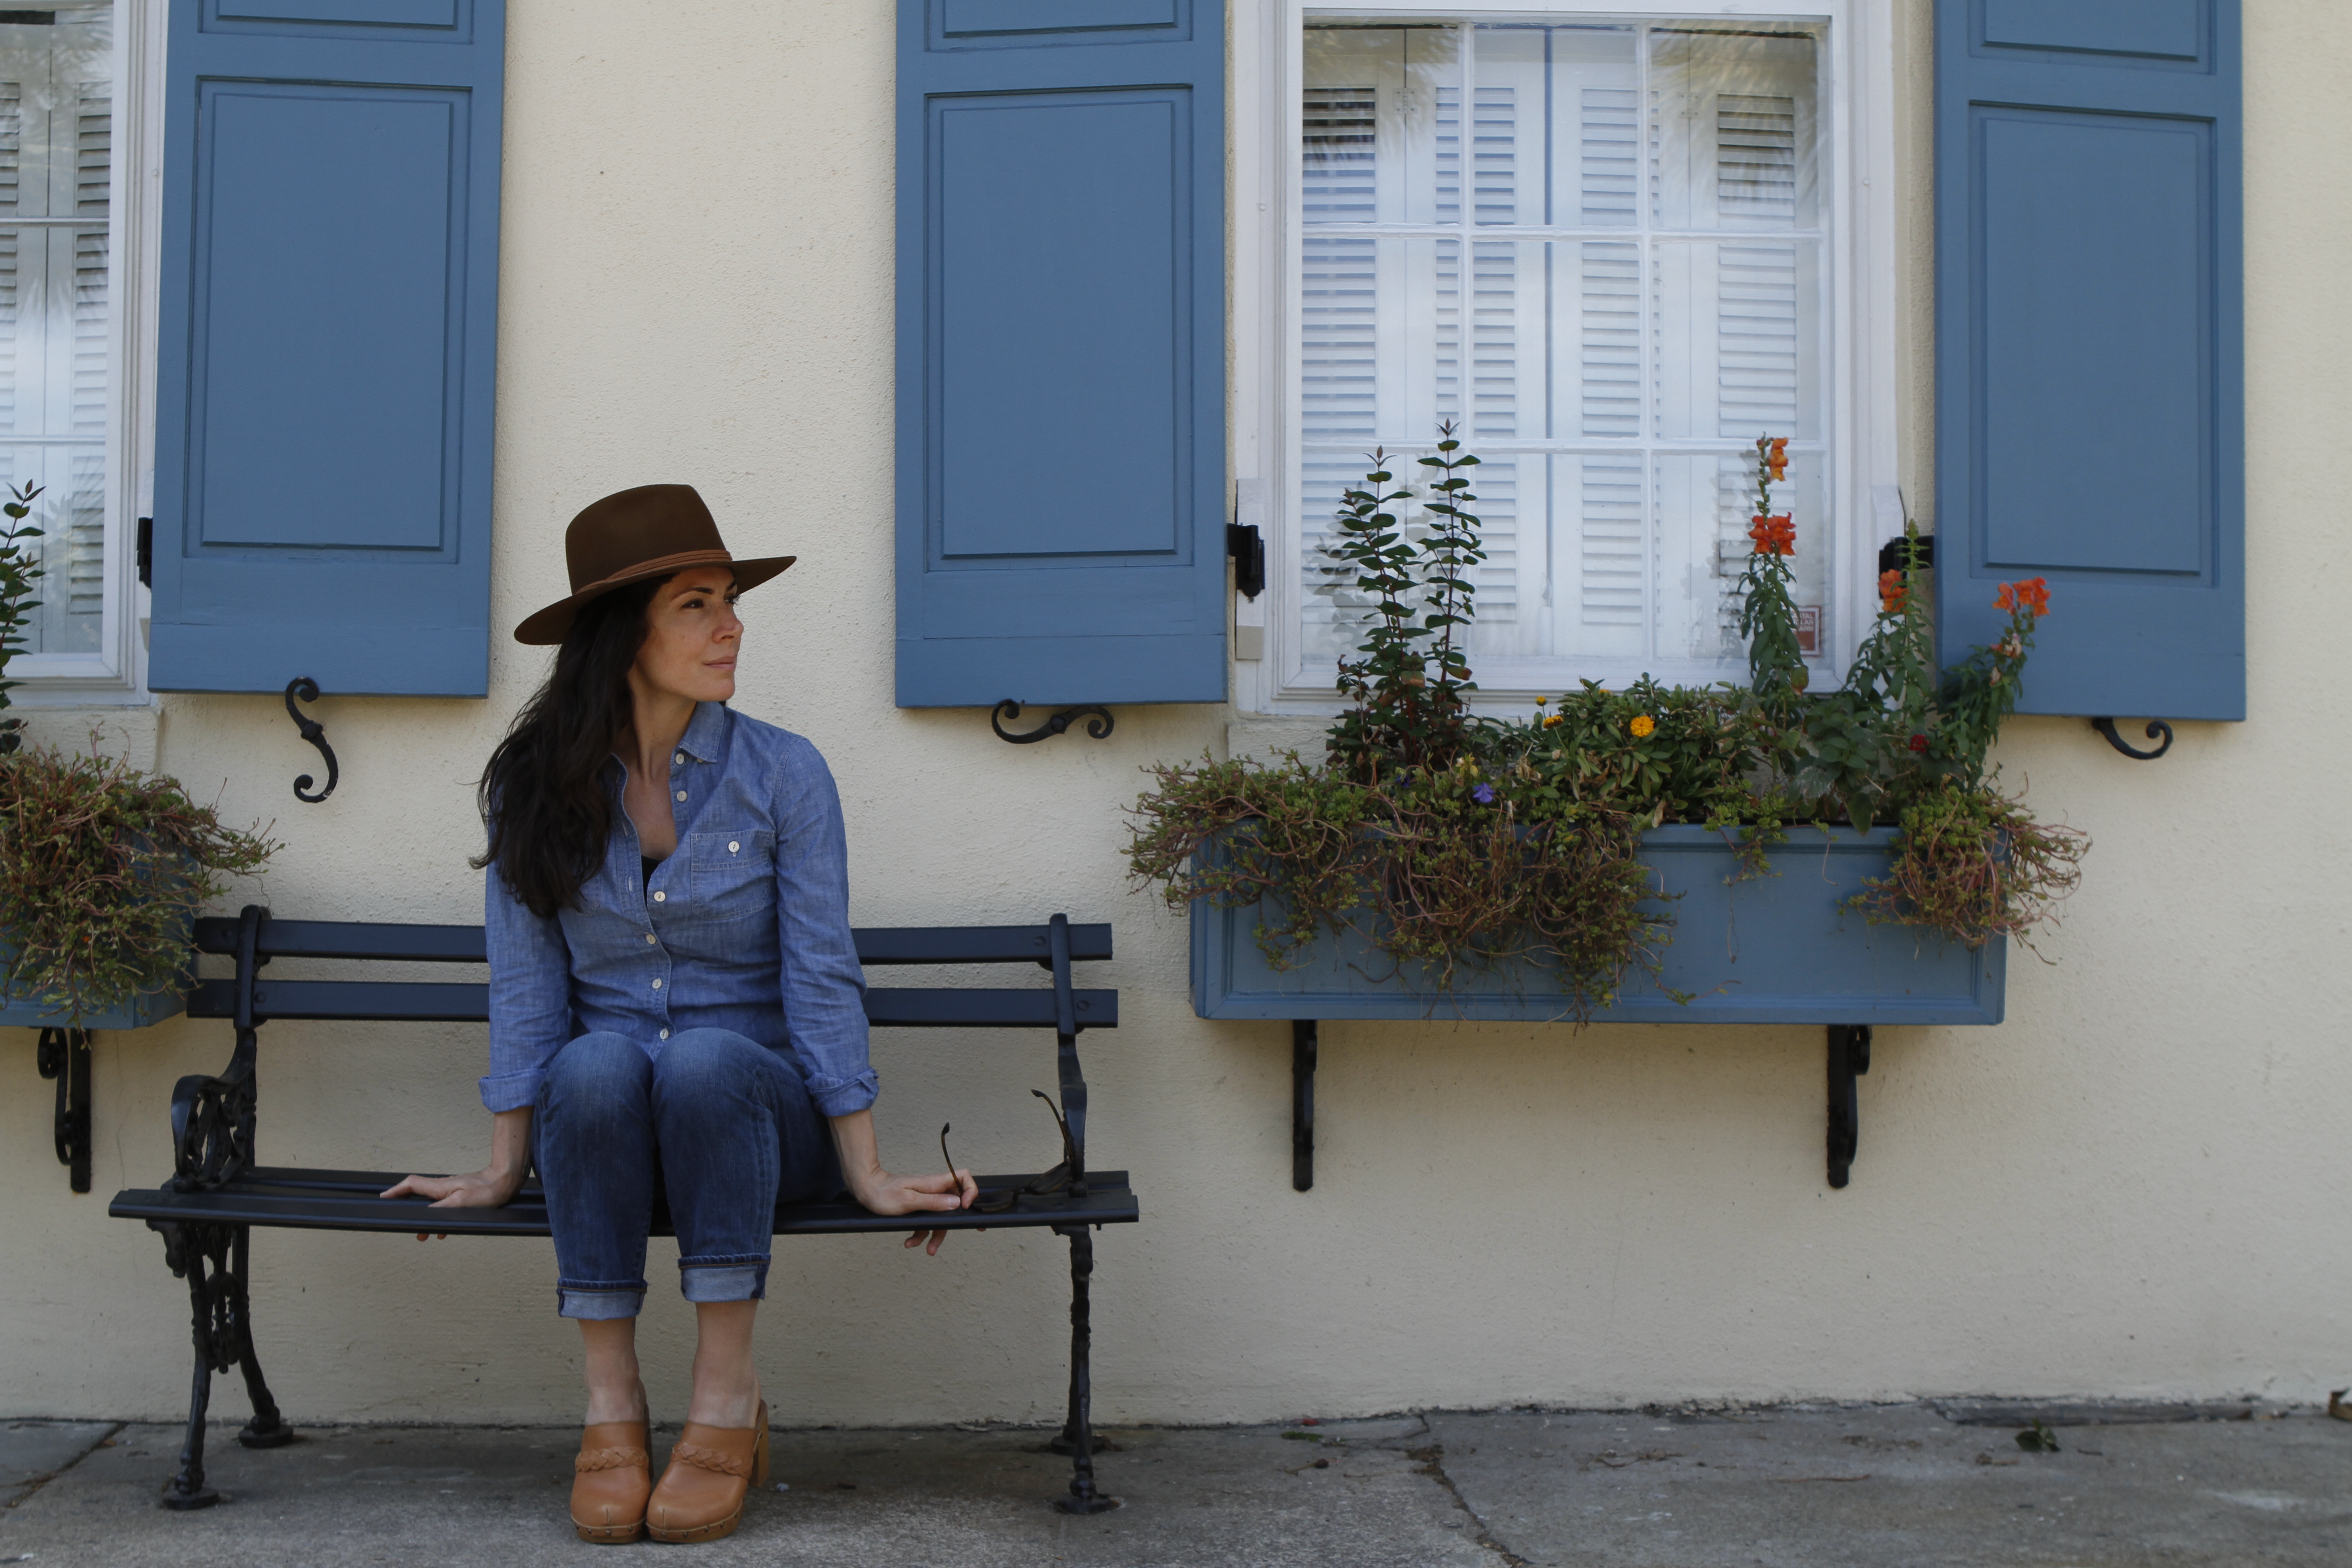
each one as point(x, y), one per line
point(433, 1002)
point(346, 1200)
point(975, 944)
point(349, 939)
point(466, 944)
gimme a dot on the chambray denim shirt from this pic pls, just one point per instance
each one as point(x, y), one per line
point(745, 927)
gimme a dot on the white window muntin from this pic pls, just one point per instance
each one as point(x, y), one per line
point(1852, 458)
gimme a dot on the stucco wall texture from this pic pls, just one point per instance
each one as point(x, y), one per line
point(2133, 1188)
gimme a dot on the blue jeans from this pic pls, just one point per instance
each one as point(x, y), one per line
point(720, 1129)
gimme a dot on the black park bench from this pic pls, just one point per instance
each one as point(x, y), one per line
point(219, 1192)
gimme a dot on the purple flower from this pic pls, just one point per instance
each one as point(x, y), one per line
point(1483, 794)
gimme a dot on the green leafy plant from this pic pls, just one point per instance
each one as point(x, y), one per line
point(102, 868)
point(19, 570)
point(1451, 840)
point(1409, 689)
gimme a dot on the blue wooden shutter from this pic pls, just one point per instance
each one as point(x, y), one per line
point(328, 348)
point(1061, 352)
point(2090, 375)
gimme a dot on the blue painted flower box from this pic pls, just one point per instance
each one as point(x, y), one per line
point(148, 1007)
point(1777, 948)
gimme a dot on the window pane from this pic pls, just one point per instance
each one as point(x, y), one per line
point(1374, 99)
point(56, 128)
point(1734, 331)
point(1733, 129)
point(1556, 137)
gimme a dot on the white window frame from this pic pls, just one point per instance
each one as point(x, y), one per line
point(1861, 438)
point(116, 674)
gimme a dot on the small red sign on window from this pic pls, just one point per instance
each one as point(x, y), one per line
point(1809, 630)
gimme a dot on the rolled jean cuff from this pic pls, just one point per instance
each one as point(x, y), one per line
point(724, 1279)
point(599, 1303)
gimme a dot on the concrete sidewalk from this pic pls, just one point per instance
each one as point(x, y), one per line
point(1877, 1486)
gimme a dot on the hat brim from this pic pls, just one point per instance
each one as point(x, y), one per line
point(544, 629)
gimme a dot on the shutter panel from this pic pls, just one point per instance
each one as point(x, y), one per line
point(328, 346)
point(2089, 345)
point(1061, 352)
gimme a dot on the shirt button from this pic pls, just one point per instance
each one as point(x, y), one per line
point(657, 985)
point(681, 795)
point(661, 898)
point(732, 847)
point(665, 1034)
point(679, 759)
point(651, 939)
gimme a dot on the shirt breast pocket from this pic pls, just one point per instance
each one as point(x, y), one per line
point(734, 874)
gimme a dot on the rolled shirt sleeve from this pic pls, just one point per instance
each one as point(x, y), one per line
point(823, 988)
point(530, 996)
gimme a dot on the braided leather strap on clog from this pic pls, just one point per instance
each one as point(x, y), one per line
point(711, 1459)
point(612, 1459)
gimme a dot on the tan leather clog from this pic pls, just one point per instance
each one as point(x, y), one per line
point(611, 1480)
point(700, 1497)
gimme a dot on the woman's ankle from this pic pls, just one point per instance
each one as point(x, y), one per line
point(620, 1404)
point(732, 1404)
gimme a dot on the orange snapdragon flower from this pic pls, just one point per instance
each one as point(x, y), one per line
point(1779, 458)
point(1891, 593)
point(1775, 535)
point(2033, 595)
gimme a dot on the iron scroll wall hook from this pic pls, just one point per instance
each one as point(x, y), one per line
point(2157, 730)
point(1097, 718)
point(316, 733)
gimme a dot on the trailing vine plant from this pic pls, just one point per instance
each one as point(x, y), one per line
point(19, 570)
point(1451, 840)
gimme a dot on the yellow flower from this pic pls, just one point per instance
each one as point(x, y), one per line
point(1641, 726)
point(1551, 722)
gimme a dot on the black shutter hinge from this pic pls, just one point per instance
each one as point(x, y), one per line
point(1890, 554)
point(145, 548)
point(1246, 545)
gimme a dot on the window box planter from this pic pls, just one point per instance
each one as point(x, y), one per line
point(65, 1054)
point(152, 1007)
point(1776, 949)
point(148, 1007)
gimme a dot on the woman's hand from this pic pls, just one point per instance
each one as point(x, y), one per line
point(881, 1193)
point(491, 1187)
point(884, 1194)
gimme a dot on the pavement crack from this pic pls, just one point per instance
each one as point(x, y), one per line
point(37, 1482)
point(1430, 1462)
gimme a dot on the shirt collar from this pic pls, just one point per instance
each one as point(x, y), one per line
point(706, 733)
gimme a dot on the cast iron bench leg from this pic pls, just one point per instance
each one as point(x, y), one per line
point(1078, 1438)
point(213, 1258)
point(267, 1428)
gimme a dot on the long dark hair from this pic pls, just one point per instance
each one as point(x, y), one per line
point(544, 796)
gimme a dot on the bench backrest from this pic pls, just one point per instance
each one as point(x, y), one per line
point(936, 1006)
point(254, 938)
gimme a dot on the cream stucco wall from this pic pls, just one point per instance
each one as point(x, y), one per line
point(2134, 1186)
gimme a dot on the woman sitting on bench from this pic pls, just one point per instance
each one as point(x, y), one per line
point(676, 1009)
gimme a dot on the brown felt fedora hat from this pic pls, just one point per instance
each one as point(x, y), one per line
point(652, 531)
